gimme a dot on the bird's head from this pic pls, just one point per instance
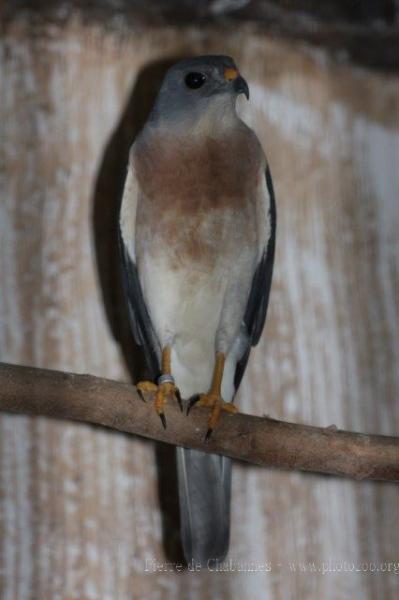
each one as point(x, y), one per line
point(199, 87)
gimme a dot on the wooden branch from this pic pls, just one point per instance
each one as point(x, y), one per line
point(259, 440)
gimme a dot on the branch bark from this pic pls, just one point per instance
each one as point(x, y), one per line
point(259, 440)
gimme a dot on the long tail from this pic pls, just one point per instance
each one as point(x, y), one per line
point(204, 482)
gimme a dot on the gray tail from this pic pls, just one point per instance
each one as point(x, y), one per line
point(204, 482)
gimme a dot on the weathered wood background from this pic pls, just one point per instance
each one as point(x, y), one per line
point(79, 508)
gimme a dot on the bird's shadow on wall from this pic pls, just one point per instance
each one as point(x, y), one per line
point(106, 201)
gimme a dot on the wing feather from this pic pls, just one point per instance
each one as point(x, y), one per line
point(258, 299)
point(140, 321)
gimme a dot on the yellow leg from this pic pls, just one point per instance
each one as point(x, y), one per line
point(214, 397)
point(166, 386)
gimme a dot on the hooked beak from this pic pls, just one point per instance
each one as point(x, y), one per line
point(240, 86)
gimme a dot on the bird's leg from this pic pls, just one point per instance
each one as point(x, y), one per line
point(164, 388)
point(214, 397)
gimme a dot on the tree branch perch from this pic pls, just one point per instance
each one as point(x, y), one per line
point(259, 440)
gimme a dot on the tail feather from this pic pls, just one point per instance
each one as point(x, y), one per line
point(204, 482)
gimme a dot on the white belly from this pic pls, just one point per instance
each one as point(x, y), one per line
point(185, 307)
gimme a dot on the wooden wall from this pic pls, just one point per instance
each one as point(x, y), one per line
point(79, 507)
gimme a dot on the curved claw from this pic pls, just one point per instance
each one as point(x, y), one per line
point(191, 403)
point(178, 398)
point(162, 392)
point(217, 405)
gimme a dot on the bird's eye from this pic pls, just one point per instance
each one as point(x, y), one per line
point(195, 80)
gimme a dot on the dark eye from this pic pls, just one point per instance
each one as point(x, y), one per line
point(195, 80)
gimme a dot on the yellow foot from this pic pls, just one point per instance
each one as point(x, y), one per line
point(162, 391)
point(217, 404)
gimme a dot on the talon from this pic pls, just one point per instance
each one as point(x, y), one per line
point(162, 391)
point(146, 386)
point(209, 400)
point(191, 403)
point(178, 397)
point(213, 398)
point(164, 388)
point(217, 404)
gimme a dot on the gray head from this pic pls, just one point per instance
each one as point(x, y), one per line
point(198, 85)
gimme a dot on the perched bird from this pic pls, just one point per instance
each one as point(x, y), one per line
point(197, 234)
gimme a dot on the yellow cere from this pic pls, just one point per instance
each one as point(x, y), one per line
point(230, 74)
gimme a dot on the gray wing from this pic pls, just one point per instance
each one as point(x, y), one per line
point(258, 300)
point(139, 318)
